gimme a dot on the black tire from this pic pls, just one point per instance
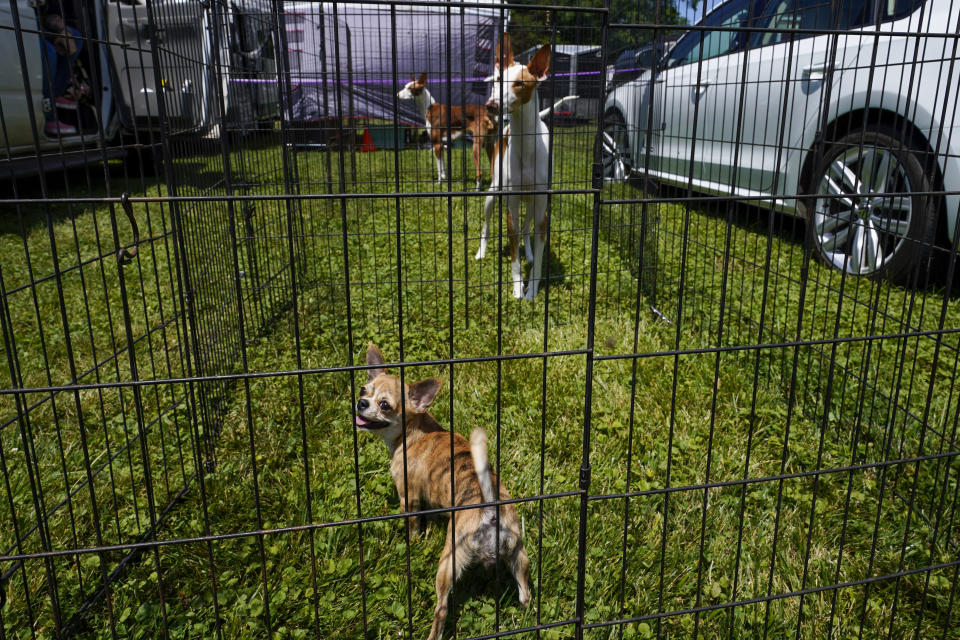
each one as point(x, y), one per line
point(615, 148)
point(882, 237)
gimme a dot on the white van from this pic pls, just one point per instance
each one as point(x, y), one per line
point(120, 39)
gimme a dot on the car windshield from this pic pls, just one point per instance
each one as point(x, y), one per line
point(704, 44)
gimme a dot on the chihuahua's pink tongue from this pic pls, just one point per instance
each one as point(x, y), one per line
point(361, 421)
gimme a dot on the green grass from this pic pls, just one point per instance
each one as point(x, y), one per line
point(674, 421)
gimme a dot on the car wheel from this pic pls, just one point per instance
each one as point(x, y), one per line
point(615, 147)
point(868, 215)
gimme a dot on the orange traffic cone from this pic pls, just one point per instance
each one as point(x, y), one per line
point(367, 144)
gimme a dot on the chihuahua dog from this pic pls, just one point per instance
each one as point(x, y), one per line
point(422, 463)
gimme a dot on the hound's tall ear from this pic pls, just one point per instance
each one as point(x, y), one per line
point(412, 79)
point(374, 357)
point(504, 52)
point(422, 79)
point(540, 65)
point(422, 393)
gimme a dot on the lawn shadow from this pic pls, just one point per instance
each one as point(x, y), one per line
point(554, 272)
point(792, 229)
point(477, 581)
point(749, 217)
point(80, 182)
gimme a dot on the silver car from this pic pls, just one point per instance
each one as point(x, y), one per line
point(838, 112)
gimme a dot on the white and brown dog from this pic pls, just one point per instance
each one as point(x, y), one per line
point(421, 463)
point(446, 123)
point(521, 162)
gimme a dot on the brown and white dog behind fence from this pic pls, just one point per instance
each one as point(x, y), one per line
point(446, 123)
point(522, 165)
point(422, 462)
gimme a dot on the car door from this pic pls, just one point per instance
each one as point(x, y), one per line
point(183, 37)
point(690, 106)
point(789, 68)
point(17, 134)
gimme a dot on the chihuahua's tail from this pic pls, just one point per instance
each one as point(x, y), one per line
point(478, 449)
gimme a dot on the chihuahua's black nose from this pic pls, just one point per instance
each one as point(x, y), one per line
point(362, 404)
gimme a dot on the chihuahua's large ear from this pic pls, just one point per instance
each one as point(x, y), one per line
point(422, 79)
point(507, 52)
point(422, 393)
point(540, 65)
point(374, 357)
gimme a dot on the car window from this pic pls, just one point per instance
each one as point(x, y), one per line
point(647, 57)
point(785, 17)
point(896, 9)
point(702, 45)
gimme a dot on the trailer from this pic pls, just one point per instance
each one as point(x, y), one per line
point(575, 70)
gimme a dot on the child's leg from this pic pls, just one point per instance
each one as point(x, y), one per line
point(57, 70)
point(64, 67)
point(50, 59)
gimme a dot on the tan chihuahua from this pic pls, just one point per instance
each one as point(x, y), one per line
point(429, 464)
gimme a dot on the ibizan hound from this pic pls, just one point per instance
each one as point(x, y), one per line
point(446, 123)
point(524, 165)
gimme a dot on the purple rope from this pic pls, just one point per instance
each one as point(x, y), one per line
point(390, 82)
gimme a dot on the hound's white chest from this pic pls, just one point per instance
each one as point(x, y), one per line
point(527, 166)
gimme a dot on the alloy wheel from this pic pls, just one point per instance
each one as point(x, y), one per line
point(863, 210)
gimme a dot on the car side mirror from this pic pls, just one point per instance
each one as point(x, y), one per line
point(646, 59)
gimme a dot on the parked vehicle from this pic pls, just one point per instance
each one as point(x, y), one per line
point(850, 130)
point(631, 62)
point(575, 70)
point(118, 46)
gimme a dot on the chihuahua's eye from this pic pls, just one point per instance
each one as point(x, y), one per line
point(363, 391)
point(384, 405)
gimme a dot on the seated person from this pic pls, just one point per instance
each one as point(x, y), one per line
point(60, 46)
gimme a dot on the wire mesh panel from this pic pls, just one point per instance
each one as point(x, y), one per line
point(832, 388)
point(90, 460)
point(707, 336)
